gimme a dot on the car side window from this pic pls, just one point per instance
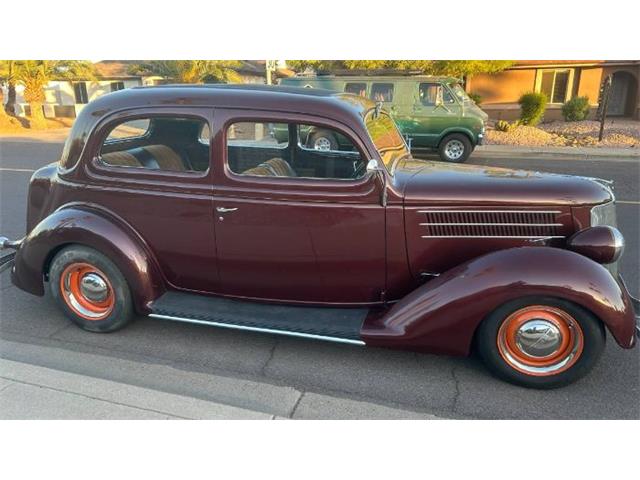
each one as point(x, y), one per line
point(382, 92)
point(429, 94)
point(358, 88)
point(158, 143)
point(292, 150)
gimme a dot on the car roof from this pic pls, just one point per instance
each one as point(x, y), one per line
point(342, 107)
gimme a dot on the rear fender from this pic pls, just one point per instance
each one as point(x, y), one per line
point(442, 315)
point(92, 227)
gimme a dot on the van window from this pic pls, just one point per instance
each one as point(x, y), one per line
point(382, 92)
point(356, 88)
point(429, 94)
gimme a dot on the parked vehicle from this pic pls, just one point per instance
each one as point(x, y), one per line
point(176, 202)
point(433, 113)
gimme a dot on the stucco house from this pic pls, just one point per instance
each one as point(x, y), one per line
point(65, 98)
point(560, 80)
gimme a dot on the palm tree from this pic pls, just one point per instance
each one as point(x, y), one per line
point(36, 74)
point(191, 71)
point(7, 75)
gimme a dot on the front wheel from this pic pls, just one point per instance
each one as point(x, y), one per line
point(455, 148)
point(540, 342)
point(90, 289)
point(322, 140)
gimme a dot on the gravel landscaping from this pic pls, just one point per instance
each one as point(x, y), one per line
point(617, 134)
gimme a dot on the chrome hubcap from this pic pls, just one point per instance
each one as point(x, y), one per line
point(454, 149)
point(322, 143)
point(94, 288)
point(538, 338)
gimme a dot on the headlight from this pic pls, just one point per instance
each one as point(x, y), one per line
point(604, 214)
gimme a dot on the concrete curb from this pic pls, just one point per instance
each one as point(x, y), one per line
point(558, 151)
point(29, 391)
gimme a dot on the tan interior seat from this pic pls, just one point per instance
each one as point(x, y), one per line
point(120, 159)
point(274, 167)
point(166, 157)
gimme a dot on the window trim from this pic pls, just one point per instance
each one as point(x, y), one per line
point(280, 180)
point(108, 124)
point(570, 83)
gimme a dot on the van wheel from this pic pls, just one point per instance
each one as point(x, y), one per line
point(455, 148)
point(540, 342)
point(90, 289)
point(322, 140)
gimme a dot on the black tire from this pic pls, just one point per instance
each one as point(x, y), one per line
point(324, 137)
point(459, 141)
point(119, 309)
point(593, 335)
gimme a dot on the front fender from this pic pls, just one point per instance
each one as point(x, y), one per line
point(95, 228)
point(442, 315)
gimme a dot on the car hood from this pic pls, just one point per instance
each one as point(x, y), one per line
point(438, 183)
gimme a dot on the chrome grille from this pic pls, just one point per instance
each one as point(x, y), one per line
point(490, 224)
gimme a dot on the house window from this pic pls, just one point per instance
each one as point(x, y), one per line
point(115, 86)
point(80, 92)
point(557, 85)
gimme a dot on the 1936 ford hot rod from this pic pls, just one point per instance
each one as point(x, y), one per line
point(181, 203)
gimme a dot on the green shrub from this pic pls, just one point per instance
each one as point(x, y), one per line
point(532, 107)
point(576, 109)
point(475, 97)
point(503, 126)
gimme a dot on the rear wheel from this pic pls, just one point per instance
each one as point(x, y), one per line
point(455, 148)
point(90, 289)
point(540, 342)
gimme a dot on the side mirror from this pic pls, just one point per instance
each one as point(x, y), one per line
point(373, 166)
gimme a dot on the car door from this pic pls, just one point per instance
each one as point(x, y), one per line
point(294, 238)
point(434, 110)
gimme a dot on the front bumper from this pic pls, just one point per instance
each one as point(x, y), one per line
point(6, 260)
point(480, 139)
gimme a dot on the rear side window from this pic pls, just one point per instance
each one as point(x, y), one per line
point(382, 92)
point(158, 143)
point(359, 89)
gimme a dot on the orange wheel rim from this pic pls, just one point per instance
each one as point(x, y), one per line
point(540, 340)
point(87, 291)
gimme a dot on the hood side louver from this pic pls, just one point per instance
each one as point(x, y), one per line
point(489, 224)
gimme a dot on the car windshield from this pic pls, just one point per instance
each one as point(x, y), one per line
point(386, 137)
point(459, 92)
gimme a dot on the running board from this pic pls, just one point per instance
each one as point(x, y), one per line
point(341, 325)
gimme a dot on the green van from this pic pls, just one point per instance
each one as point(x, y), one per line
point(433, 113)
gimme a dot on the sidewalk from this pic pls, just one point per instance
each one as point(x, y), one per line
point(30, 391)
point(583, 153)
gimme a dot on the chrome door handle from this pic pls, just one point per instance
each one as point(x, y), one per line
point(225, 210)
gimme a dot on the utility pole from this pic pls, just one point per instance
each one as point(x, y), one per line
point(270, 69)
point(603, 104)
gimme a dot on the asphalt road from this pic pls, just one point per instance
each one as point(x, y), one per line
point(282, 375)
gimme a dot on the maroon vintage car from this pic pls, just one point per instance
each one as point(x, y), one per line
point(181, 203)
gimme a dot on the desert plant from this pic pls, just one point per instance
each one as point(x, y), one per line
point(576, 109)
point(532, 107)
point(503, 126)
